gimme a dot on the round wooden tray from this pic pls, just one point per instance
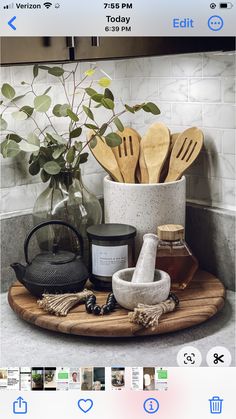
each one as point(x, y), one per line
point(201, 300)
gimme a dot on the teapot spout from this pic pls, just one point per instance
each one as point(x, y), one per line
point(19, 271)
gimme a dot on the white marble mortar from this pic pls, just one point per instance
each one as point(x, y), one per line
point(145, 206)
point(129, 294)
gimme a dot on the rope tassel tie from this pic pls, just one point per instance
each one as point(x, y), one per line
point(148, 316)
point(61, 304)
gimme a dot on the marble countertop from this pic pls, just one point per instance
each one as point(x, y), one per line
point(26, 345)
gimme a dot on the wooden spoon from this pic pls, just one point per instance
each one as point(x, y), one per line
point(165, 168)
point(186, 149)
point(155, 145)
point(127, 154)
point(105, 157)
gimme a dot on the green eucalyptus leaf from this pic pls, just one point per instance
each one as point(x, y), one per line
point(103, 129)
point(90, 91)
point(10, 148)
point(3, 124)
point(42, 103)
point(88, 112)
point(83, 158)
point(58, 151)
point(98, 106)
point(35, 70)
point(113, 139)
point(58, 138)
point(76, 132)
point(14, 137)
point(72, 115)
point(8, 91)
point(129, 109)
point(97, 97)
point(70, 155)
point(93, 142)
point(15, 99)
point(49, 138)
point(108, 103)
point(33, 139)
point(64, 109)
point(91, 126)
point(108, 94)
point(119, 124)
point(56, 71)
point(78, 146)
point(45, 176)
point(1, 102)
point(28, 110)
point(52, 167)
point(27, 147)
point(104, 82)
point(19, 116)
point(56, 111)
point(44, 67)
point(47, 90)
point(34, 168)
point(152, 108)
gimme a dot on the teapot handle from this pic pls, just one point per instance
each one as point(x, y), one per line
point(46, 223)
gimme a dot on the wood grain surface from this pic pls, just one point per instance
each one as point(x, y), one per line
point(203, 298)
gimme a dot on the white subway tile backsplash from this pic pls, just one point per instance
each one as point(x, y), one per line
point(204, 90)
point(219, 64)
point(229, 90)
point(190, 90)
point(228, 141)
point(212, 140)
point(186, 65)
point(219, 116)
point(144, 89)
point(171, 89)
point(186, 114)
point(222, 165)
point(229, 188)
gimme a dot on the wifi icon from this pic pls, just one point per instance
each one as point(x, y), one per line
point(47, 4)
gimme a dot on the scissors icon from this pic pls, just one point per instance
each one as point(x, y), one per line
point(218, 359)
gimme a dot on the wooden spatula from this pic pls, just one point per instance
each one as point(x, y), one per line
point(155, 145)
point(186, 149)
point(105, 157)
point(165, 168)
point(144, 178)
point(127, 154)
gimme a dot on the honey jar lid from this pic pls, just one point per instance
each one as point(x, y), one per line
point(170, 232)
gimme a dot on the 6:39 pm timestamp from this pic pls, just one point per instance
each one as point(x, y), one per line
point(118, 28)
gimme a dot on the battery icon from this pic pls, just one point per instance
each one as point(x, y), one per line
point(226, 5)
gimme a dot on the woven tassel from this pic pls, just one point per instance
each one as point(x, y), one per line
point(61, 304)
point(148, 316)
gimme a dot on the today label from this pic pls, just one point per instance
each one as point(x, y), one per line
point(106, 260)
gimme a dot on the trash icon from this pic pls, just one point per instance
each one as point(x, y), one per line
point(216, 405)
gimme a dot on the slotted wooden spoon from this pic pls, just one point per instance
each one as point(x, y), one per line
point(105, 157)
point(155, 146)
point(127, 154)
point(165, 168)
point(186, 149)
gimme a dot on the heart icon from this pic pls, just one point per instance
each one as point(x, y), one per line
point(85, 405)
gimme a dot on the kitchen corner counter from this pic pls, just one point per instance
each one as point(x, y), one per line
point(25, 344)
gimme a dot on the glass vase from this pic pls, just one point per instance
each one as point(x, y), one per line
point(66, 199)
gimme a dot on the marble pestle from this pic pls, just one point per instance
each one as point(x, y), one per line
point(145, 268)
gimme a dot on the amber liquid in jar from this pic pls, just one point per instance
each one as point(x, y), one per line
point(175, 258)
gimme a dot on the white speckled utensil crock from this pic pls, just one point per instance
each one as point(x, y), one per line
point(144, 206)
point(129, 294)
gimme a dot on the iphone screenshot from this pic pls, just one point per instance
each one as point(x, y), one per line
point(118, 209)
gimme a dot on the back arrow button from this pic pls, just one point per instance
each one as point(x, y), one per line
point(10, 23)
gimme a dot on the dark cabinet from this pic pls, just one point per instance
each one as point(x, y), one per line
point(19, 50)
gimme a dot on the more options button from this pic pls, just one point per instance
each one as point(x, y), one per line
point(182, 23)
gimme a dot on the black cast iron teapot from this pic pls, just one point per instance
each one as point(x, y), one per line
point(58, 271)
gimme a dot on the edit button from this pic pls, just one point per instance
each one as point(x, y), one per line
point(182, 23)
